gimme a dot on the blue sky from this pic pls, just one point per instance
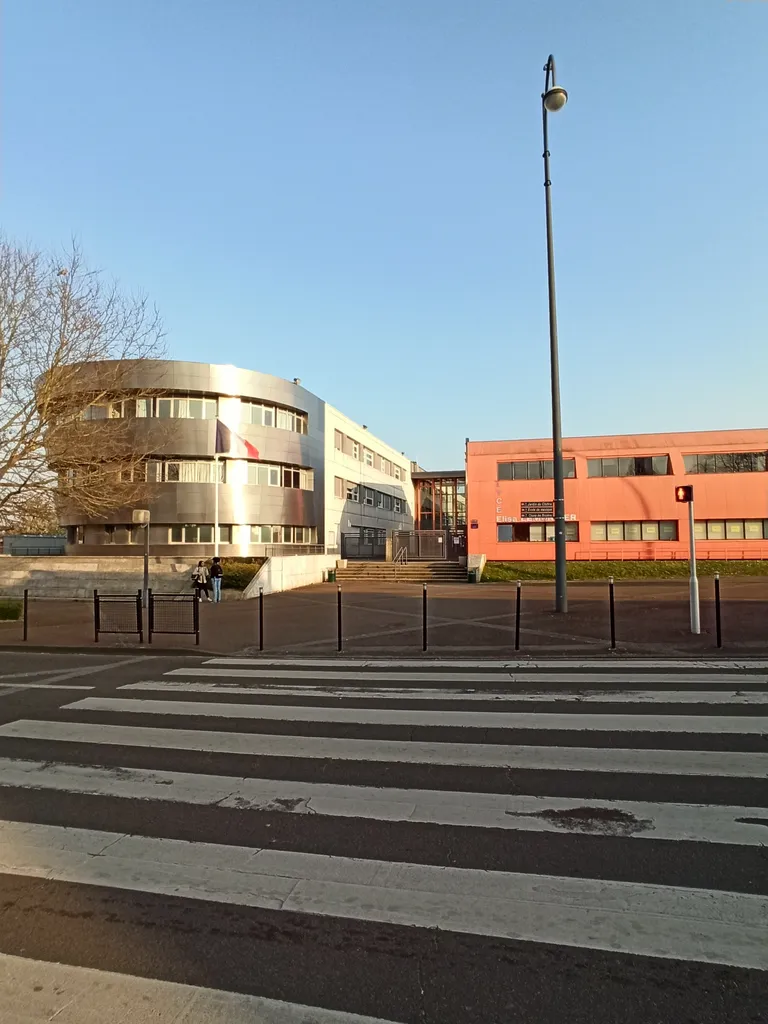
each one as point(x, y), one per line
point(350, 191)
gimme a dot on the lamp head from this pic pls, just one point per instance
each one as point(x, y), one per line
point(555, 98)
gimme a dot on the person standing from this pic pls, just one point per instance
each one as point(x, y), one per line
point(217, 574)
point(200, 580)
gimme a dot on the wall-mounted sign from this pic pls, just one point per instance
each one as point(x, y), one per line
point(570, 517)
point(537, 510)
point(473, 525)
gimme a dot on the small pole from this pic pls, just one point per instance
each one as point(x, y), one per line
point(338, 606)
point(26, 614)
point(424, 619)
point(261, 618)
point(145, 595)
point(612, 604)
point(150, 617)
point(196, 620)
point(694, 581)
point(518, 601)
point(139, 617)
point(96, 615)
point(718, 623)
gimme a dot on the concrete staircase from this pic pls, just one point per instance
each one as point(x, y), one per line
point(409, 572)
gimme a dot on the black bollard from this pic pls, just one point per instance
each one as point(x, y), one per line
point(718, 622)
point(612, 603)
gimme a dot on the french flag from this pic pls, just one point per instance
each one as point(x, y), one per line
point(230, 443)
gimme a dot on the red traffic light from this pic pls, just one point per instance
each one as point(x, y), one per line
point(684, 494)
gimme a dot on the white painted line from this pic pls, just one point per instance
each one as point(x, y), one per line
point(37, 992)
point(701, 823)
point(15, 687)
point(702, 925)
point(427, 664)
point(515, 696)
point(479, 755)
point(574, 679)
point(705, 724)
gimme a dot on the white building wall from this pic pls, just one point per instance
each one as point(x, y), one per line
point(343, 514)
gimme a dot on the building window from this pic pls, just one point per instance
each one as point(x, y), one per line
point(534, 532)
point(386, 467)
point(539, 469)
point(642, 465)
point(731, 529)
point(283, 534)
point(649, 530)
point(203, 472)
point(353, 491)
point(185, 408)
point(225, 534)
point(338, 487)
point(368, 457)
point(379, 500)
point(191, 534)
point(368, 496)
point(726, 462)
point(398, 504)
point(387, 502)
point(338, 441)
point(398, 473)
point(355, 450)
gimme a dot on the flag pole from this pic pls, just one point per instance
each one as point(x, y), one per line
point(216, 509)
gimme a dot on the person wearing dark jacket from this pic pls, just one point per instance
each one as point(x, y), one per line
point(217, 574)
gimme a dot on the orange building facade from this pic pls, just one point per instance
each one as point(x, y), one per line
point(620, 496)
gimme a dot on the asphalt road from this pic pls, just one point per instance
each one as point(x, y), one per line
point(408, 845)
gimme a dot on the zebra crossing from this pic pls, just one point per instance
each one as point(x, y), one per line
point(347, 843)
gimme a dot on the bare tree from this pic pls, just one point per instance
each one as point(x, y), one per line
point(58, 318)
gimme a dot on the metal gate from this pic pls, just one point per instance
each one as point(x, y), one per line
point(367, 543)
point(174, 613)
point(430, 545)
point(112, 613)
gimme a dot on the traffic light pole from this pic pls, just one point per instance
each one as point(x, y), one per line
point(694, 580)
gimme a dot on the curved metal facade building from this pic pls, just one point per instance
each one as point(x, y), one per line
point(184, 498)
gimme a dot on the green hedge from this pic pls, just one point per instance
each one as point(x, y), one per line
point(9, 609)
point(238, 572)
point(509, 572)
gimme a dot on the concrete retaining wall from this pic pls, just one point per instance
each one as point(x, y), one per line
point(71, 577)
point(289, 572)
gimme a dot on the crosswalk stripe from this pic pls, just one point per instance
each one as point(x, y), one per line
point(666, 921)
point(35, 992)
point(522, 677)
point(740, 725)
point(586, 696)
point(426, 665)
point(740, 826)
point(729, 764)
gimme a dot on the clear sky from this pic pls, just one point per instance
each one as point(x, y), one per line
point(350, 191)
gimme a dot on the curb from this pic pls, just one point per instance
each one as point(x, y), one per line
point(172, 652)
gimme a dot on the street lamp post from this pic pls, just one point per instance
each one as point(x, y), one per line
point(553, 99)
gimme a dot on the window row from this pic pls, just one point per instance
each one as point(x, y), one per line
point(642, 465)
point(161, 408)
point(353, 448)
point(665, 529)
point(210, 471)
point(350, 491)
point(191, 533)
point(186, 408)
point(731, 529)
point(538, 469)
point(529, 532)
point(726, 462)
point(273, 416)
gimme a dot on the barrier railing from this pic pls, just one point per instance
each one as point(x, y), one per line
point(112, 613)
point(174, 613)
